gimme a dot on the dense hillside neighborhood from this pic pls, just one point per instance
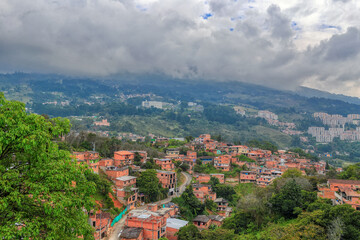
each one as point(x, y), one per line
point(205, 160)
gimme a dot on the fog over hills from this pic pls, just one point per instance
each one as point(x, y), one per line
point(41, 87)
point(281, 44)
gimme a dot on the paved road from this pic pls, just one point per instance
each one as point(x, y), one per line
point(120, 225)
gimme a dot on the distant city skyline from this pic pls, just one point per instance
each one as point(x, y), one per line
point(281, 44)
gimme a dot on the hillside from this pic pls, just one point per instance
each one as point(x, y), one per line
point(118, 97)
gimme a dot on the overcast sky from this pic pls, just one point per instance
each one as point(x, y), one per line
point(282, 43)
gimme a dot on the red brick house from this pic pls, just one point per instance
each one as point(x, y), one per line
point(91, 158)
point(248, 177)
point(223, 162)
point(217, 220)
point(165, 164)
point(168, 180)
point(125, 181)
point(152, 223)
point(126, 191)
point(123, 158)
point(105, 162)
point(115, 172)
point(101, 222)
point(202, 222)
point(203, 191)
point(205, 178)
point(191, 154)
point(222, 204)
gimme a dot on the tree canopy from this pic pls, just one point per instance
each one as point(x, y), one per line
point(43, 192)
point(149, 184)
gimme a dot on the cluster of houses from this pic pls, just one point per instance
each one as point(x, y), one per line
point(124, 187)
point(154, 221)
point(260, 167)
point(341, 192)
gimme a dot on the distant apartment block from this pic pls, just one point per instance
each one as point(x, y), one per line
point(267, 115)
point(336, 119)
point(157, 104)
point(323, 135)
point(149, 104)
point(103, 122)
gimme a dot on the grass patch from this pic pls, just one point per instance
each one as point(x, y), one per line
point(243, 189)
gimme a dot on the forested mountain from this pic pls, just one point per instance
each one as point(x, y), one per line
point(39, 88)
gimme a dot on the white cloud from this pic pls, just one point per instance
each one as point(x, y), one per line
point(281, 43)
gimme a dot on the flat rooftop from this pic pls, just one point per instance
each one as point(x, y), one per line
point(125, 178)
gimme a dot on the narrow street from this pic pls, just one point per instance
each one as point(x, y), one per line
point(120, 225)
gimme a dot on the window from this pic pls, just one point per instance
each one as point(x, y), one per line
point(94, 224)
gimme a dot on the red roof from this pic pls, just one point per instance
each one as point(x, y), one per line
point(342, 181)
point(124, 153)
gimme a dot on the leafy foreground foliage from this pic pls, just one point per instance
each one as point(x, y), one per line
point(38, 195)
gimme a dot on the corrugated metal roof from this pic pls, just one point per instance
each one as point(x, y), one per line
point(175, 223)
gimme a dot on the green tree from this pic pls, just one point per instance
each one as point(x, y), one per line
point(285, 202)
point(189, 205)
point(189, 232)
point(292, 173)
point(189, 138)
point(184, 166)
point(225, 191)
point(238, 222)
point(41, 188)
point(137, 159)
point(244, 158)
point(150, 164)
point(149, 184)
point(210, 205)
point(214, 182)
point(218, 234)
point(351, 172)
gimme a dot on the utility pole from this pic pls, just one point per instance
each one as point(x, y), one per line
point(100, 221)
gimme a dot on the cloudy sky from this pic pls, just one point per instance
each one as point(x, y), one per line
point(282, 44)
